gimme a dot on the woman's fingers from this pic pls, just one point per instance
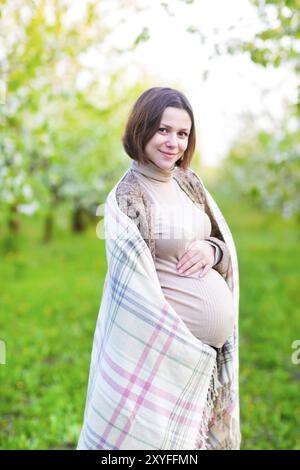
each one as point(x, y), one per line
point(205, 270)
point(192, 269)
point(189, 261)
point(198, 252)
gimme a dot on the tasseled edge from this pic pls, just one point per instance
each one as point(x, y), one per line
point(232, 441)
point(219, 398)
point(212, 395)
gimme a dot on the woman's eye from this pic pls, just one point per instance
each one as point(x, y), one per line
point(164, 129)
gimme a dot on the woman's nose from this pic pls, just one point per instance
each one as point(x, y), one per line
point(172, 139)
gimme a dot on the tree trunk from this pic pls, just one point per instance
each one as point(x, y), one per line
point(48, 228)
point(14, 223)
point(78, 220)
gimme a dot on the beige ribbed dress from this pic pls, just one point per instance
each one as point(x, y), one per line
point(204, 304)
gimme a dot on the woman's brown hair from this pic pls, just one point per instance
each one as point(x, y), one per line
point(144, 121)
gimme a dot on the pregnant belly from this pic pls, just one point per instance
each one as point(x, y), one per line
point(204, 304)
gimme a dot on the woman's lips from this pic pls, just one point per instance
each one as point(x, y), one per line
point(168, 155)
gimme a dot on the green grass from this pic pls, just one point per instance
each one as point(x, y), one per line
point(49, 303)
point(50, 297)
point(268, 250)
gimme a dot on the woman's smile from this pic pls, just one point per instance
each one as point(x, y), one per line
point(168, 155)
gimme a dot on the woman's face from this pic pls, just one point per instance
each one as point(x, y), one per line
point(171, 139)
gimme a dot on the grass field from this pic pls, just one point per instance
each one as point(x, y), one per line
point(50, 296)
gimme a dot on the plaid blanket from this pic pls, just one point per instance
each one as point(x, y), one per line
point(152, 383)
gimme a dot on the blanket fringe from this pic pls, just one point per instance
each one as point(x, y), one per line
point(218, 399)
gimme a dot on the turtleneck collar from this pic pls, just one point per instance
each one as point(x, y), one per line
point(151, 170)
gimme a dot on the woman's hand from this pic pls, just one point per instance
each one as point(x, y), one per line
point(199, 254)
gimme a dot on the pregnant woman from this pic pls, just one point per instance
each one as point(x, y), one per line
point(164, 366)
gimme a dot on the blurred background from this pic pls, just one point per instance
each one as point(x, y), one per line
point(70, 73)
